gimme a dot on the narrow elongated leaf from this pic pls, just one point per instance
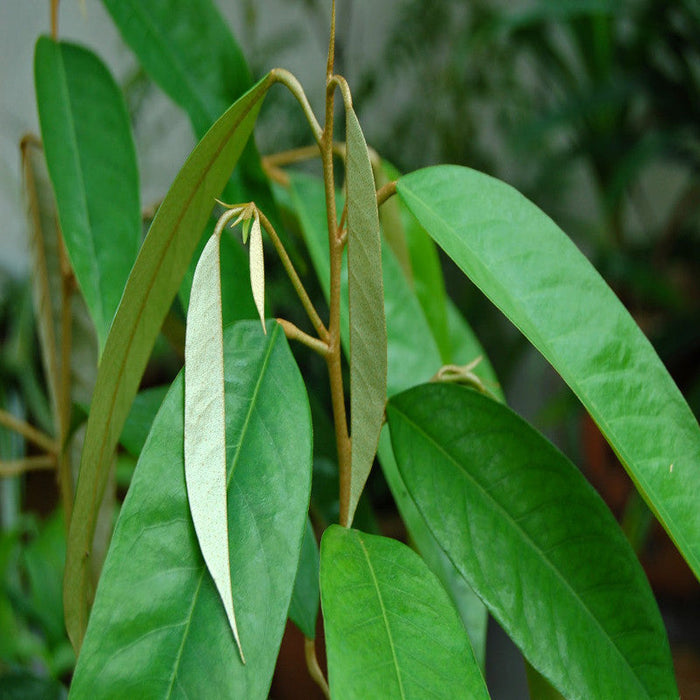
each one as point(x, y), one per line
point(368, 344)
point(535, 542)
point(151, 287)
point(158, 629)
point(205, 424)
point(528, 267)
point(257, 268)
point(391, 630)
point(413, 357)
point(186, 47)
point(92, 162)
point(303, 609)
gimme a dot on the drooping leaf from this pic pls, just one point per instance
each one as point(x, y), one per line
point(158, 628)
point(92, 162)
point(205, 424)
point(151, 287)
point(303, 609)
point(368, 343)
point(535, 542)
point(413, 357)
point(391, 630)
point(257, 268)
point(531, 271)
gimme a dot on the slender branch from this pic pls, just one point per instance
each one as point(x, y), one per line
point(294, 278)
point(386, 192)
point(29, 432)
point(314, 668)
point(54, 20)
point(295, 333)
point(333, 360)
point(295, 155)
point(280, 75)
point(15, 467)
point(331, 45)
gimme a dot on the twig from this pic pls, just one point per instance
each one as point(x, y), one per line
point(314, 668)
point(385, 192)
point(54, 20)
point(294, 278)
point(295, 333)
point(29, 432)
point(15, 467)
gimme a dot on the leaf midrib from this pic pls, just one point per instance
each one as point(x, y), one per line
point(397, 669)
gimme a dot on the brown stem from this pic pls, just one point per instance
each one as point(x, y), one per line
point(385, 192)
point(294, 278)
point(14, 467)
point(29, 432)
point(314, 668)
point(54, 20)
point(336, 252)
point(295, 333)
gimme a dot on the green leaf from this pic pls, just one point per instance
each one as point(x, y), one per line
point(368, 343)
point(188, 50)
point(186, 47)
point(149, 292)
point(303, 610)
point(535, 542)
point(92, 162)
point(391, 630)
point(138, 423)
point(531, 271)
point(205, 424)
point(413, 357)
point(157, 613)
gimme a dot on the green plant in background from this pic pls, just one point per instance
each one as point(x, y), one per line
point(215, 544)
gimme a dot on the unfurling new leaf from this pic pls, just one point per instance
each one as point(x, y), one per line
point(257, 267)
point(205, 425)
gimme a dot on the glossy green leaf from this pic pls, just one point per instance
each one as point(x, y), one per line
point(186, 47)
point(92, 162)
point(413, 357)
point(140, 419)
point(535, 542)
point(152, 285)
point(158, 629)
point(368, 343)
point(205, 424)
point(531, 271)
point(303, 609)
point(391, 631)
